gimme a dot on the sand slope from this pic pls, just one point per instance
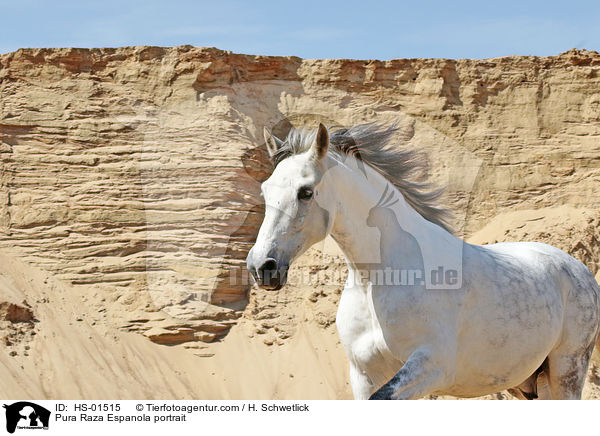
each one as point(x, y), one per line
point(65, 353)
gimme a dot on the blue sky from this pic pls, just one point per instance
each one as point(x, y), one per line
point(310, 29)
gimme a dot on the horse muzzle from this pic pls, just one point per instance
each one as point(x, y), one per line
point(269, 275)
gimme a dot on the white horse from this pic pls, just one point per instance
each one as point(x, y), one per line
point(423, 312)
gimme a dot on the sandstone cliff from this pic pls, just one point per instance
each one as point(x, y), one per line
point(132, 174)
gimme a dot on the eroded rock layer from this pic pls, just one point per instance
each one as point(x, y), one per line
point(135, 171)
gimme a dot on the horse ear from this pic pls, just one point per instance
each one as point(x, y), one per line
point(272, 142)
point(321, 141)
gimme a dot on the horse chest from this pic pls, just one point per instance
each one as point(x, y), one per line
point(359, 330)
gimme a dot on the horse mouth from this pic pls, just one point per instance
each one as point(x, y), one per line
point(276, 287)
point(272, 281)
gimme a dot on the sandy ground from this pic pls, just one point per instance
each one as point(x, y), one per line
point(60, 355)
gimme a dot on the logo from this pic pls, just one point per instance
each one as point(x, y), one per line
point(26, 415)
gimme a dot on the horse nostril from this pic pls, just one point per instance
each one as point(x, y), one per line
point(268, 274)
point(269, 266)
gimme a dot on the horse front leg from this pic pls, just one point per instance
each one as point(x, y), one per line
point(419, 377)
point(360, 382)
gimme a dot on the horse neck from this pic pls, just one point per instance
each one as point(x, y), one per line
point(358, 188)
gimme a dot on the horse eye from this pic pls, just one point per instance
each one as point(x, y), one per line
point(305, 193)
